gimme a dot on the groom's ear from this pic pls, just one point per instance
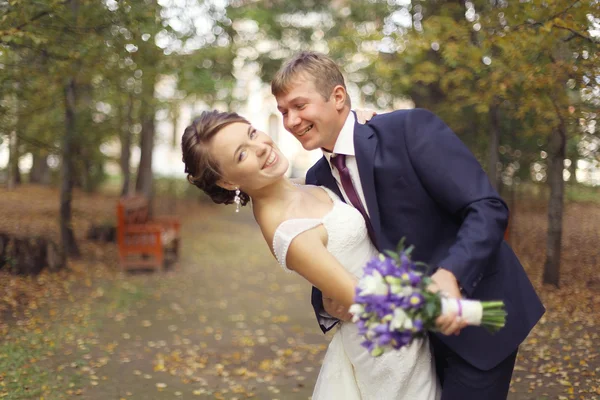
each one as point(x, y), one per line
point(339, 96)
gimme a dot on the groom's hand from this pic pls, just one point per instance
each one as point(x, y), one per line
point(362, 116)
point(446, 282)
point(336, 310)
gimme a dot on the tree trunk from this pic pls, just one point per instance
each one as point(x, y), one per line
point(68, 244)
point(145, 177)
point(14, 174)
point(86, 147)
point(126, 145)
point(175, 115)
point(494, 157)
point(13, 161)
point(556, 157)
point(28, 255)
point(40, 171)
point(17, 171)
point(87, 181)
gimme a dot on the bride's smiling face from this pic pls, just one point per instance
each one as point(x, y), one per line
point(247, 158)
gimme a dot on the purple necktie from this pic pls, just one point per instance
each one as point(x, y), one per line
point(339, 162)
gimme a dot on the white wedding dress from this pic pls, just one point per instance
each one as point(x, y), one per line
point(349, 372)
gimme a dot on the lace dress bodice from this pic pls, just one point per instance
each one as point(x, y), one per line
point(349, 372)
point(348, 239)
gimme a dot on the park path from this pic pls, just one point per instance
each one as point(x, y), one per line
point(228, 323)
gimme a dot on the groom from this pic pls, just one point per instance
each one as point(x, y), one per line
point(411, 176)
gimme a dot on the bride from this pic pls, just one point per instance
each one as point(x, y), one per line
point(313, 233)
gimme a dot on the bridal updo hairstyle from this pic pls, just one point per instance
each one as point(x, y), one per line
point(202, 171)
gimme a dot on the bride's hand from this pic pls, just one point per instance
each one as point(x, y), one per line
point(363, 116)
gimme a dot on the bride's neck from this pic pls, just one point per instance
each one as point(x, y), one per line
point(281, 191)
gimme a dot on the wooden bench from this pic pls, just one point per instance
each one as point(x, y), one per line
point(145, 243)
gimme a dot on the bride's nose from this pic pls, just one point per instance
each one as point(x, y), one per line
point(261, 149)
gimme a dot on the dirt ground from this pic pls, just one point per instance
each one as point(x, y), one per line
point(228, 323)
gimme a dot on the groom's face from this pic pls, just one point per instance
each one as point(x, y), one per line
point(314, 121)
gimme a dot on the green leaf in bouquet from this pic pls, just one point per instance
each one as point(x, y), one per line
point(377, 351)
point(400, 247)
point(392, 255)
point(422, 267)
point(430, 310)
point(426, 281)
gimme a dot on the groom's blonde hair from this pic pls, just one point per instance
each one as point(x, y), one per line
point(322, 70)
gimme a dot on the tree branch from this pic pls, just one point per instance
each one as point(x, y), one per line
point(52, 55)
point(35, 17)
point(563, 11)
point(576, 34)
point(558, 14)
point(40, 144)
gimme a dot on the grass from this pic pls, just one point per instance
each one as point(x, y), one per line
point(582, 194)
point(23, 377)
point(179, 188)
point(123, 296)
point(24, 356)
point(540, 193)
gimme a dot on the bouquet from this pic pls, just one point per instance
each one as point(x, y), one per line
point(393, 306)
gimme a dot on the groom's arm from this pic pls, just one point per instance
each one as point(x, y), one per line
point(326, 321)
point(455, 179)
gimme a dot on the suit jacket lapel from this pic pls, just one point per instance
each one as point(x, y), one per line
point(325, 178)
point(365, 144)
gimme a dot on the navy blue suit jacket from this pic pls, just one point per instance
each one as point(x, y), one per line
point(422, 183)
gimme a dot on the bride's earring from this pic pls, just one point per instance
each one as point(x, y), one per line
point(237, 200)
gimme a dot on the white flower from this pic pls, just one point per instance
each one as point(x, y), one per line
point(404, 291)
point(373, 284)
point(372, 330)
point(401, 290)
point(400, 320)
point(356, 310)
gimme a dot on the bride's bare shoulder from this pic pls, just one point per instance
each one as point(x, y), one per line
point(270, 217)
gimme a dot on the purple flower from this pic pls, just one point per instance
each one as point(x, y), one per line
point(386, 267)
point(362, 327)
point(401, 339)
point(369, 345)
point(416, 300)
point(415, 279)
point(401, 301)
point(406, 263)
point(381, 328)
point(418, 325)
point(385, 338)
point(390, 301)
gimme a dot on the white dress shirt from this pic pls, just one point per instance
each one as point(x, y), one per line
point(345, 145)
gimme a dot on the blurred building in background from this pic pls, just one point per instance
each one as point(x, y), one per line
point(259, 107)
